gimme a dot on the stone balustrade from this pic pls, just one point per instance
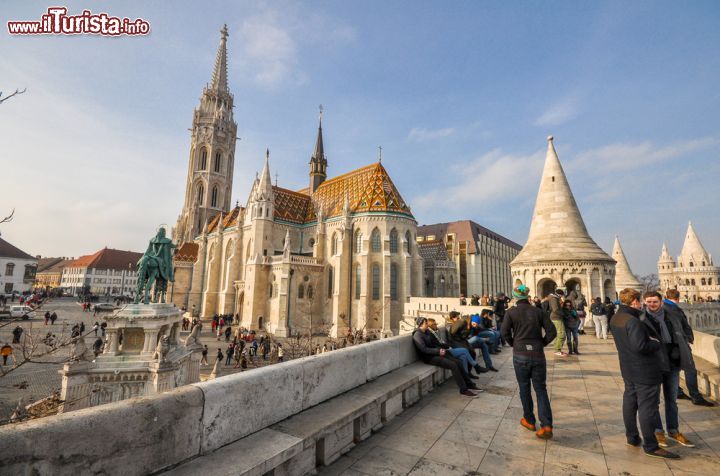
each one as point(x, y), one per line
point(148, 434)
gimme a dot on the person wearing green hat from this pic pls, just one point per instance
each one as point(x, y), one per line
point(528, 329)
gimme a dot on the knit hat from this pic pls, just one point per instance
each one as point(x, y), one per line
point(521, 292)
point(476, 319)
point(419, 320)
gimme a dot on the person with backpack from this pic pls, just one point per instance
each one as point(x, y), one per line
point(599, 316)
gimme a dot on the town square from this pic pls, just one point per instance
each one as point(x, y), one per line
point(337, 238)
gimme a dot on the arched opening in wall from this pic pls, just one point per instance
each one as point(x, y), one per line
point(709, 281)
point(428, 287)
point(333, 244)
point(375, 241)
point(692, 281)
point(702, 281)
point(441, 285)
point(301, 291)
point(408, 244)
point(239, 305)
point(331, 282)
point(572, 284)
point(217, 165)
point(203, 159)
point(214, 197)
point(691, 264)
point(200, 194)
point(260, 322)
point(358, 241)
point(358, 280)
point(375, 282)
point(393, 282)
point(687, 282)
point(546, 286)
point(393, 241)
point(703, 263)
point(608, 290)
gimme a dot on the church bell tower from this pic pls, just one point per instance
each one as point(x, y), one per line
point(212, 153)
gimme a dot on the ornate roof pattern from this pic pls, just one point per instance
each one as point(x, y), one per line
point(229, 219)
point(187, 252)
point(433, 250)
point(290, 206)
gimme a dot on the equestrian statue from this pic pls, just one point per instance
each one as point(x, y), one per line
point(155, 267)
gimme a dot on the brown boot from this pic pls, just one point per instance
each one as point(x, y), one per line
point(545, 433)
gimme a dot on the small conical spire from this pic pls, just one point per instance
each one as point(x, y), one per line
point(624, 277)
point(319, 153)
point(557, 230)
point(286, 245)
point(346, 205)
point(693, 250)
point(318, 161)
point(205, 228)
point(219, 80)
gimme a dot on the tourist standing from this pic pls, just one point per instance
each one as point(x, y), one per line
point(558, 317)
point(677, 351)
point(499, 307)
point(671, 305)
point(6, 351)
point(281, 353)
point(204, 360)
point(599, 316)
point(230, 351)
point(572, 329)
point(642, 362)
point(528, 329)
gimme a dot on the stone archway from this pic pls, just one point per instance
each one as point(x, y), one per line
point(239, 305)
point(546, 286)
point(572, 284)
point(609, 290)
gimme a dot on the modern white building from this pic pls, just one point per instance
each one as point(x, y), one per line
point(17, 269)
point(106, 272)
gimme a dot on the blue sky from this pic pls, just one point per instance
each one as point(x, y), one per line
point(461, 96)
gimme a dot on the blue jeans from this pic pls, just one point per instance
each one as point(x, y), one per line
point(465, 357)
point(479, 343)
point(573, 335)
point(492, 336)
point(670, 383)
point(533, 370)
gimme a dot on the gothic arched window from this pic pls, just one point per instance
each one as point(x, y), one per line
point(393, 282)
point(702, 281)
point(376, 282)
point(358, 280)
point(301, 291)
point(310, 291)
point(200, 194)
point(203, 159)
point(358, 241)
point(331, 281)
point(214, 197)
point(393, 241)
point(333, 245)
point(408, 237)
point(218, 162)
point(375, 243)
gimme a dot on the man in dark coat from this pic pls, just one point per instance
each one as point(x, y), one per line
point(642, 362)
point(523, 328)
point(671, 304)
point(677, 353)
point(431, 354)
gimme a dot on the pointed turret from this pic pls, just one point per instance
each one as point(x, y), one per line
point(318, 161)
point(624, 277)
point(219, 81)
point(264, 190)
point(557, 231)
point(693, 252)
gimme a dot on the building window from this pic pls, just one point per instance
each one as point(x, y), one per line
point(375, 243)
point(358, 241)
point(200, 194)
point(203, 159)
point(393, 241)
point(408, 237)
point(375, 282)
point(218, 162)
point(334, 244)
point(214, 197)
point(331, 282)
point(358, 280)
point(310, 292)
point(9, 269)
point(393, 282)
point(301, 291)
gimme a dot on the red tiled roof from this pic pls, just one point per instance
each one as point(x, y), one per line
point(187, 252)
point(108, 258)
point(229, 219)
point(9, 251)
point(52, 265)
point(290, 206)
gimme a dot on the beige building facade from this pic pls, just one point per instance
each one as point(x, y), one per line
point(559, 251)
point(693, 274)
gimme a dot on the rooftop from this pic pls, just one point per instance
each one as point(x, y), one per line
point(11, 251)
point(107, 258)
point(464, 230)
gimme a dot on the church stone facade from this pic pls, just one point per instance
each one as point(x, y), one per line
point(338, 254)
point(693, 274)
point(559, 251)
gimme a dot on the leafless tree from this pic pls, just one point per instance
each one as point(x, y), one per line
point(17, 92)
point(650, 282)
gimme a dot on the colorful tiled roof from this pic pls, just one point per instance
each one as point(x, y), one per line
point(187, 252)
point(108, 258)
point(433, 250)
point(229, 219)
point(368, 189)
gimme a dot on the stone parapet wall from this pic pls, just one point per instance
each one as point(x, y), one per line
point(147, 434)
point(707, 347)
point(704, 317)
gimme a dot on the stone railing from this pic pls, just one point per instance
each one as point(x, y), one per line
point(706, 351)
point(704, 317)
point(437, 308)
point(148, 434)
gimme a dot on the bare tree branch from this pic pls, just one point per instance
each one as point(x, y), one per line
point(9, 217)
point(17, 91)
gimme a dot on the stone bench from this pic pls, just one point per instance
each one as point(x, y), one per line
point(708, 379)
point(321, 434)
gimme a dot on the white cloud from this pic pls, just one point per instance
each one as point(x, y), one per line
point(559, 112)
point(421, 134)
point(624, 156)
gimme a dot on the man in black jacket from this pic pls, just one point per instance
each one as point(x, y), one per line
point(642, 362)
point(432, 354)
point(523, 329)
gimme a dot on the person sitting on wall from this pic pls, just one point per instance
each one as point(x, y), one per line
point(460, 353)
point(432, 354)
point(458, 333)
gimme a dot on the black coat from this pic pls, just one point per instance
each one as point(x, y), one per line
point(523, 328)
point(642, 360)
point(426, 345)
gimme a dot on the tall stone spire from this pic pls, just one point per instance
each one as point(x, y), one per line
point(624, 277)
point(318, 161)
point(557, 231)
point(264, 191)
point(219, 81)
point(693, 250)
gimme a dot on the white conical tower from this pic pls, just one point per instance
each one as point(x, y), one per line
point(624, 277)
point(666, 268)
point(693, 252)
point(559, 251)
